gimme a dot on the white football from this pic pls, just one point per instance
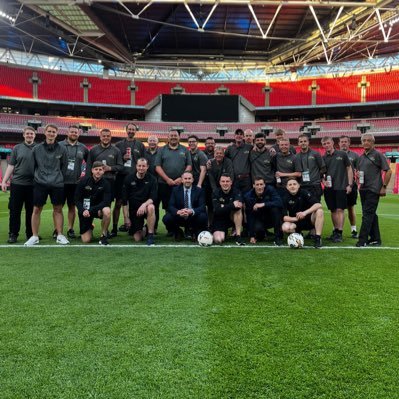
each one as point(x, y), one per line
point(205, 239)
point(295, 240)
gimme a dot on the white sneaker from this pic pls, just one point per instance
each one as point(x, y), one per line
point(32, 241)
point(61, 239)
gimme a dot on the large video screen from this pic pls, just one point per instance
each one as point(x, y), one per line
point(199, 108)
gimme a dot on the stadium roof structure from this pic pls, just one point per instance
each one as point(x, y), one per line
point(207, 35)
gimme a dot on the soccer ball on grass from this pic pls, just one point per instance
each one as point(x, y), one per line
point(295, 240)
point(205, 239)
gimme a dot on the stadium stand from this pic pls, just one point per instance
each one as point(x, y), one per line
point(58, 86)
point(14, 82)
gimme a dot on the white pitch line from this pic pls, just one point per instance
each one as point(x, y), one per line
point(187, 246)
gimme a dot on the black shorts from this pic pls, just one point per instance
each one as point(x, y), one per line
point(304, 224)
point(41, 192)
point(119, 186)
point(69, 194)
point(335, 199)
point(137, 222)
point(315, 190)
point(112, 186)
point(86, 224)
point(243, 185)
point(220, 224)
point(352, 196)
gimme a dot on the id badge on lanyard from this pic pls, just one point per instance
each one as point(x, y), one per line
point(306, 176)
point(71, 164)
point(86, 204)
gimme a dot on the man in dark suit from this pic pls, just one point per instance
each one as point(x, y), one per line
point(186, 209)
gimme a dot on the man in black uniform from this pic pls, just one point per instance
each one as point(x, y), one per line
point(171, 161)
point(77, 153)
point(227, 206)
point(218, 166)
point(198, 161)
point(209, 147)
point(372, 187)
point(285, 165)
point(304, 210)
point(261, 160)
point(344, 144)
point(150, 154)
point(312, 165)
point(139, 194)
point(280, 134)
point(238, 153)
point(51, 162)
point(131, 150)
point(264, 209)
point(21, 166)
point(249, 136)
point(111, 158)
point(93, 200)
point(210, 153)
point(338, 183)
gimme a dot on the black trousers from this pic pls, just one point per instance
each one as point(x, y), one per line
point(197, 223)
point(19, 196)
point(264, 219)
point(370, 228)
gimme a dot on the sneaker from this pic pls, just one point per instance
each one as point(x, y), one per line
point(373, 243)
point(150, 240)
point(361, 244)
point(317, 242)
point(333, 234)
point(61, 239)
point(113, 234)
point(71, 233)
point(55, 234)
point(123, 228)
point(179, 235)
point(239, 241)
point(32, 241)
point(103, 240)
point(337, 237)
point(12, 239)
point(278, 242)
point(354, 234)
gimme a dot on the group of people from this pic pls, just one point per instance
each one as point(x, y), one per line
point(248, 187)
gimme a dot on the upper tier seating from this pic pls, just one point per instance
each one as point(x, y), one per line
point(16, 82)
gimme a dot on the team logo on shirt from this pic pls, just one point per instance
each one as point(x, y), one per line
point(133, 183)
point(221, 200)
point(111, 156)
point(182, 153)
point(339, 158)
point(88, 188)
point(291, 202)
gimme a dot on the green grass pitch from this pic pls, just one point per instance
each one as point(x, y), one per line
point(191, 322)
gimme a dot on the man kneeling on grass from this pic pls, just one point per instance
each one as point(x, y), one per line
point(304, 211)
point(93, 200)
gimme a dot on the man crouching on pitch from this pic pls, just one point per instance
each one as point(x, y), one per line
point(139, 194)
point(93, 199)
point(304, 211)
point(227, 208)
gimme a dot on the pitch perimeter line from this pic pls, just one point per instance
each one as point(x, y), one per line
point(88, 246)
